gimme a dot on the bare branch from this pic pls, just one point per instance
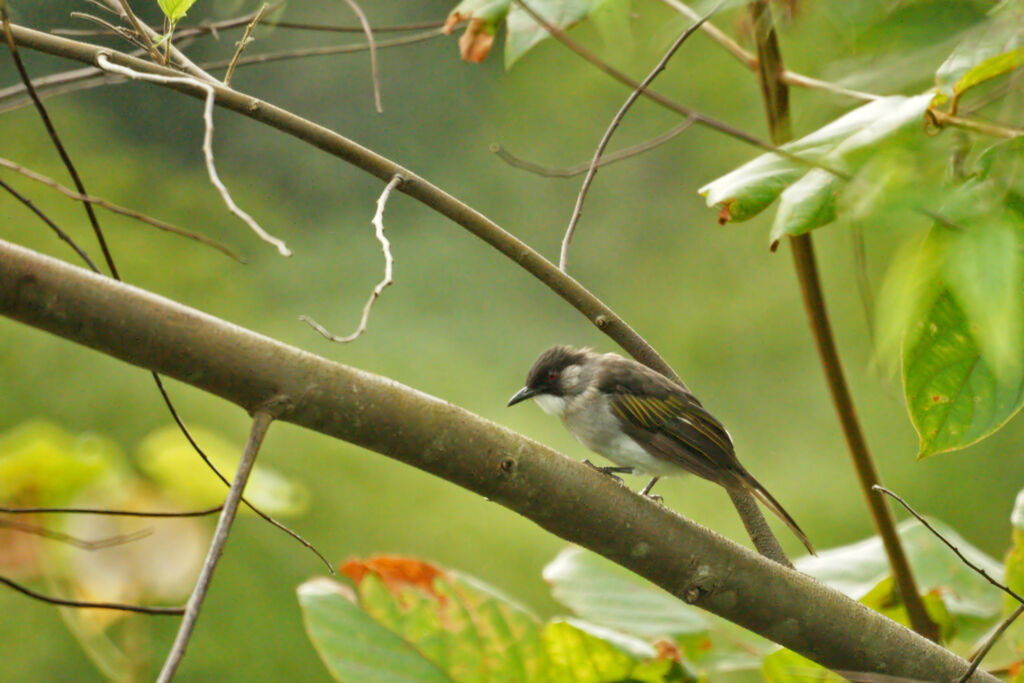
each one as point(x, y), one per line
point(61, 537)
point(750, 61)
point(561, 495)
point(220, 475)
point(956, 551)
point(108, 512)
point(143, 35)
point(115, 208)
point(939, 118)
point(302, 53)
point(53, 226)
point(244, 42)
point(389, 261)
point(563, 259)
point(211, 167)
point(358, 11)
point(81, 604)
point(992, 639)
point(579, 169)
point(51, 130)
point(260, 423)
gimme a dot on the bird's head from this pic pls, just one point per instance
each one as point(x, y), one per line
point(556, 376)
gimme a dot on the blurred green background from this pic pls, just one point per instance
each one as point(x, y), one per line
point(462, 322)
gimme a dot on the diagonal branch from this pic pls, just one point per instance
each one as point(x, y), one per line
point(561, 495)
point(260, 423)
point(415, 186)
point(563, 258)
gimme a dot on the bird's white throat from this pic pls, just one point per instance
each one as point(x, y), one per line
point(552, 405)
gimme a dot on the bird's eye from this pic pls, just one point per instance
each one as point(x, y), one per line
point(552, 375)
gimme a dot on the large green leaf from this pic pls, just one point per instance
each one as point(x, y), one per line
point(353, 646)
point(751, 188)
point(455, 628)
point(604, 593)
point(524, 33)
point(601, 592)
point(954, 394)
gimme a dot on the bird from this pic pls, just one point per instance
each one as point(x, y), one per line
point(640, 420)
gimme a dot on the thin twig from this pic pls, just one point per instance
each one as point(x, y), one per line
point(244, 42)
point(956, 551)
point(53, 226)
point(238, 22)
point(61, 537)
point(994, 636)
point(220, 475)
point(107, 511)
point(139, 30)
point(577, 211)
point(82, 604)
point(358, 11)
point(115, 208)
point(989, 642)
point(571, 171)
point(260, 423)
point(55, 138)
point(750, 61)
point(385, 245)
point(211, 168)
point(940, 118)
point(302, 53)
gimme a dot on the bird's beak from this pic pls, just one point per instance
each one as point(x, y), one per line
point(522, 395)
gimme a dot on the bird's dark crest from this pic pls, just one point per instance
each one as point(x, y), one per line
point(555, 359)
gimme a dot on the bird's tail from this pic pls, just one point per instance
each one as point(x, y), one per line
point(761, 493)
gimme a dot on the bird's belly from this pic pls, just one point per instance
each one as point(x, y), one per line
point(622, 450)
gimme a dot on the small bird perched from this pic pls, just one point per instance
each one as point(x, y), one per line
point(641, 420)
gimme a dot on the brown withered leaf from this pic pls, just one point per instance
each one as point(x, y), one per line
point(394, 571)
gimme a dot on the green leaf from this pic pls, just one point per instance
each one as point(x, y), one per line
point(954, 395)
point(807, 204)
point(604, 593)
point(45, 464)
point(600, 592)
point(858, 569)
point(168, 458)
point(352, 645)
point(575, 655)
point(524, 33)
point(751, 188)
point(983, 271)
point(990, 68)
point(174, 10)
point(901, 117)
point(1000, 34)
point(885, 599)
point(489, 11)
point(786, 666)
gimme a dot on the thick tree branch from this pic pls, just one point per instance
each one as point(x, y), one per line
point(414, 185)
point(561, 495)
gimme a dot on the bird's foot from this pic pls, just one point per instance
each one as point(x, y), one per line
point(612, 472)
point(646, 492)
point(656, 498)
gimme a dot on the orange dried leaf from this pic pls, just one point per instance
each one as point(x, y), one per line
point(667, 649)
point(394, 571)
point(476, 41)
point(724, 215)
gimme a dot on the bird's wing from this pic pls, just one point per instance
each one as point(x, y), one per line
point(668, 421)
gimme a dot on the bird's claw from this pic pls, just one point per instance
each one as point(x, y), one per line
point(612, 472)
point(655, 497)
